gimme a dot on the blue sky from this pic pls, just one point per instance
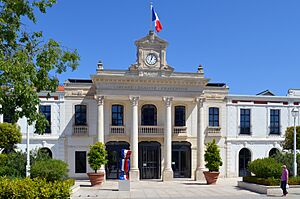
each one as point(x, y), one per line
point(251, 45)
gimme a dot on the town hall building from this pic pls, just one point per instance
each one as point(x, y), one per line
point(165, 117)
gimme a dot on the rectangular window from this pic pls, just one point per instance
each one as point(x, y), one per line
point(7, 118)
point(80, 161)
point(245, 121)
point(275, 121)
point(46, 111)
point(80, 115)
point(214, 116)
point(117, 115)
point(179, 116)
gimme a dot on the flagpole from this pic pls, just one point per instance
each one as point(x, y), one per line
point(151, 24)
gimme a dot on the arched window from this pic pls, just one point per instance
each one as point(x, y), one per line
point(45, 151)
point(117, 115)
point(244, 159)
point(179, 116)
point(214, 116)
point(273, 152)
point(80, 115)
point(149, 115)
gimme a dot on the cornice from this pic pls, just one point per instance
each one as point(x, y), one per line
point(152, 80)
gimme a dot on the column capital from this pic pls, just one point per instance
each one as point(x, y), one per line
point(134, 100)
point(199, 101)
point(100, 100)
point(168, 100)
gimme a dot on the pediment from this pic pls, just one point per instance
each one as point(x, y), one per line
point(151, 40)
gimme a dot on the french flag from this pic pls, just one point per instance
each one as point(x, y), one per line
point(155, 18)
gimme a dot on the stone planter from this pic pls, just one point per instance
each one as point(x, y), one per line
point(269, 190)
point(211, 177)
point(96, 178)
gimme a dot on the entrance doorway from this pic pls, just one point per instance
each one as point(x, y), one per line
point(149, 160)
point(244, 159)
point(181, 159)
point(112, 167)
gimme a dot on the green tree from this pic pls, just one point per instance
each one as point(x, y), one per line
point(265, 168)
point(28, 63)
point(212, 156)
point(50, 169)
point(97, 156)
point(288, 160)
point(289, 138)
point(10, 135)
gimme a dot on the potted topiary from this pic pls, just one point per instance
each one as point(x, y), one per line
point(97, 158)
point(213, 162)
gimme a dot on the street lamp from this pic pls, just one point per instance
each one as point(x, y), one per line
point(295, 113)
point(28, 155)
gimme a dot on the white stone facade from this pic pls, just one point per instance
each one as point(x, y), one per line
point(260, 141)
point(156, 83)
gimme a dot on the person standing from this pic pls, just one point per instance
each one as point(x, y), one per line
point(284, 179)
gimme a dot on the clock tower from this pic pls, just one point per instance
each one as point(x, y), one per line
point(151, 55)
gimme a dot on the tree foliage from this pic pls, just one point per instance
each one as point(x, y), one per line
point(288, 160)
point(97, 156)
point(13, 165)
point(265, 168)
point(289, 138)
point(10, 134)
point(212, 156)
point(50, 169)
point(28, 63)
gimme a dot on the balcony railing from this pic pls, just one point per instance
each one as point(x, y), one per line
point(275, 130)
point(179, 130)
point(245, 130)
point(80, 130)
point(151, 130)
point(117, 130)
point(213, 131)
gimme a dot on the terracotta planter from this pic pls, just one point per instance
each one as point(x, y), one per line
point(96, 178)
point(211, 177)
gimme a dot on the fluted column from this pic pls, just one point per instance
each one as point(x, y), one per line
point(200, 140)
point(100, 124)
point(168, 172)
point(134, 167)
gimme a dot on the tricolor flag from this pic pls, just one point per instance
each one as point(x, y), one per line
point(155, 18)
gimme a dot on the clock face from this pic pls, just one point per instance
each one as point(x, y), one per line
point(151, 59)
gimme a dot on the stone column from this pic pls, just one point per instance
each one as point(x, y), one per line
point(134, 139)
point(200, 140)
point(168, 172)
point(100, 124)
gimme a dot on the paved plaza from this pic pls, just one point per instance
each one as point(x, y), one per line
point(226, 188)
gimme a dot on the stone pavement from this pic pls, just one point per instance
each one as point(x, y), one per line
point(186, 189)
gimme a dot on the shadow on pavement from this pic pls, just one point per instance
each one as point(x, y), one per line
point(195, 183)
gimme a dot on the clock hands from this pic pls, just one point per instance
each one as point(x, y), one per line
point(151, 59)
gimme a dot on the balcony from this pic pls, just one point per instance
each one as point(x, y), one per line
point(80, 130)
point(117, 130)
point(245, 131)
point(151, 130)
point(179, 131)
point(275, 131)
point(213, 131)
